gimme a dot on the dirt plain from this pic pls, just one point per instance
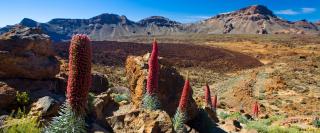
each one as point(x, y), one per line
point(281, 72)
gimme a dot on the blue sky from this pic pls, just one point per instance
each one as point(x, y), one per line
point(13, 11)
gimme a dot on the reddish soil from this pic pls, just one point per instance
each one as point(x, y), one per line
point(111, 53)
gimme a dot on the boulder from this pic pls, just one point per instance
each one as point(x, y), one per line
point(141, 121)
point(96, 128)
point(231, 126)
point(38, 88)
point(27, 53)
point(45, 106)
point(3, 119)
point(170, 85)
point(7, 95)
point(103, 106)
point(99, 82)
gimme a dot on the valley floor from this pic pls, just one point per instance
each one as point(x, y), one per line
point(288, 82)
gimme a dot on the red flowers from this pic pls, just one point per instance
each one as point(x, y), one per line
point(184, 96)
point(208, 96)
point(152, 82)
point(79, 80)
point(214, 101)
point(256, 109)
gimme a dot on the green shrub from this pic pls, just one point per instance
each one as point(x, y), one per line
point(264, 125)
point(91, 97)
point(66, 122)
point(22, 98)
point(316, 123)
point(277, 129)
point(235, 115)
point(121, 97)
point(223, 115)
point(19, 122)
point(260, 126)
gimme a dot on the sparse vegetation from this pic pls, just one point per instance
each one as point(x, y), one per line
point(66, 122)
point(22, 98)
point(316, 123)
point(121, 97)
point(20, 122)
point(264, 125)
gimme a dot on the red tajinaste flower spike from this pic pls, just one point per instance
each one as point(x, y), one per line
point(256, 109)
point(184, 96)
point(207, 96)
point(79, 80)
point(214, 101)
point(153, 77)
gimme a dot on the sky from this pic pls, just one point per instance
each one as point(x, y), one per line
point(185, 11)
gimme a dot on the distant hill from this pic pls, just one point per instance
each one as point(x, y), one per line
point(256, 19)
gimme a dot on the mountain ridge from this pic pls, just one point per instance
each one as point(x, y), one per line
point(256, 19)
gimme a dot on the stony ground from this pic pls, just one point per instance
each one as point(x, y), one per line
point(288, 82)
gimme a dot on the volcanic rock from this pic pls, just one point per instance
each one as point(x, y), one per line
point(27, 53)
point(170, 85)
point(45, 106)
point(141, 121)
point(7, 95)
point(103, 106)
point(99, 82)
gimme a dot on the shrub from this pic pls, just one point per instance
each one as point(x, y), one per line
point(66, 122)
point(264, 125)
point(316, 123)
point(223, 115)
point(21, 123)
point(91, 97)
point(22, 98)
point(150, 100)
point(79, 80)
point(121, 97)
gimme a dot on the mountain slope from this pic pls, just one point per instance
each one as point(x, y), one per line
point(255, 19)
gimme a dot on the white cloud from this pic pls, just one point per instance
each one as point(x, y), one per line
point(304, 10)
point(287, 12)
point(308, 10)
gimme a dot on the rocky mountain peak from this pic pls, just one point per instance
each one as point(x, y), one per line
point(107, 18)
point(28, 22)
point(159, 21)
point(254, 12)
point(257, 9)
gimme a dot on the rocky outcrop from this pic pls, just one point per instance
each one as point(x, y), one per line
point(170, 85)
point(159, 21)
point(27, 53)
point(141, 121)
point(103, 106)
point(45, 106)
point(7, 95)
point(99, 82)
